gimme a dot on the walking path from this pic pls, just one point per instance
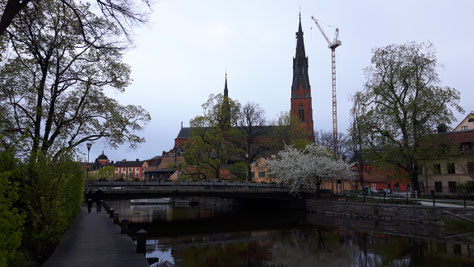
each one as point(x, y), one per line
point(93, 240)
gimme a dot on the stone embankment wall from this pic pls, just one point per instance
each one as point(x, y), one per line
point(378, 211)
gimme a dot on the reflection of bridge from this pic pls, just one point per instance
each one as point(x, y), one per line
point(190, 189)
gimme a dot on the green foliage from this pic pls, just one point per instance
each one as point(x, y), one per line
point(52, 83)
point(213, 138)
point(239, 170)
point(458, 226)
point(467, 188)
point(288, 130)
point(402, 101)
point(50, 199)
point(11, 221)
point(105, 173)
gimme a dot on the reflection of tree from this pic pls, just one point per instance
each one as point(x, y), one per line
point(311, 249)
point(214, 255)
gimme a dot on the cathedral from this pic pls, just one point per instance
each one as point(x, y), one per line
point(300, 97)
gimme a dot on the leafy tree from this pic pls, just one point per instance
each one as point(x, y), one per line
point(213, 138)
point(344, 149)
point(106, 173)
point(11, 220)
point(288, 130)
point(52, 85)
point(308, 167)
point(401, 102)
point(51, 195)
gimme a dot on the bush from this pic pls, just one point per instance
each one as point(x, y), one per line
point(11, 221)
point(51, 197)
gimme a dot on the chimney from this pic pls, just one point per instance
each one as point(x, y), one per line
point(137, 160)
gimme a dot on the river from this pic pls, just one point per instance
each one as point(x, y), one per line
point(218, 232)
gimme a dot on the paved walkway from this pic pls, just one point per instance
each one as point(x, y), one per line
point(93, 240)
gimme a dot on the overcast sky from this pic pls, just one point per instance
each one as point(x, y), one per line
point(180, 58)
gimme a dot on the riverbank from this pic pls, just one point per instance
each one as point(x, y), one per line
point(93, 240)
point(428, 215)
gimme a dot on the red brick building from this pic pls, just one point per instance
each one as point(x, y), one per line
point(301, 102)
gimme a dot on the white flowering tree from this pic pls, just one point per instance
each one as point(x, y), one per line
point(308, 168)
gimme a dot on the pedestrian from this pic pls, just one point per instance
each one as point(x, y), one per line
point(89, 200)
point(99, 196)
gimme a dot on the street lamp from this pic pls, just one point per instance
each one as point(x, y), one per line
point(248, 167)
point(89, 145)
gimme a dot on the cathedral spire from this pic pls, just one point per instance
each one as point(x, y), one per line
point(226, 91)
point(300, 62)
point(301, 106)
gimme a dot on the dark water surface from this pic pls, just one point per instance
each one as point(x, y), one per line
point(218, 232)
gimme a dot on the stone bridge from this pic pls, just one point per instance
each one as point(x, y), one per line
point(149, 189)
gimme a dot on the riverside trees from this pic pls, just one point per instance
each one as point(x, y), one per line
point(52, 83)
point(213, 138)
point(402, 101)
point(54, 72)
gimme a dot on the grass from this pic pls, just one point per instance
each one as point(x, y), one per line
point(23, 259)
point(458, 226)
point(370, 199)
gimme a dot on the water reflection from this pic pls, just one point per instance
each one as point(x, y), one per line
point(180, 209)
point(179, 237)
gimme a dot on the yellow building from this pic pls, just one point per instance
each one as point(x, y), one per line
point(445, 174)
point(259, 171)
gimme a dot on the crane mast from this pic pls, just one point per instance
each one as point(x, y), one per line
point(332, 45)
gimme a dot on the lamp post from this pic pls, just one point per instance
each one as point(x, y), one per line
point(248, 165)
point(89, 145)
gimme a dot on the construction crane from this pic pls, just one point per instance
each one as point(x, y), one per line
point(332, 45)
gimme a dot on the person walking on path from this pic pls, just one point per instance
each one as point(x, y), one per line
point(99, 196)
point(89, 200)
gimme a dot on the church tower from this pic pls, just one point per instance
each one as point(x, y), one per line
point(225, 120)
point(301, 107)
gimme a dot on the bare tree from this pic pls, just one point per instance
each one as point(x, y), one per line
point(344, 149)
point(123, 13)
point(252, 125)
point(356, 142)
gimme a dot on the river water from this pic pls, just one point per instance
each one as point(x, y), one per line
point(218, 232)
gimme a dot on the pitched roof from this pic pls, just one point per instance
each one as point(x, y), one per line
point(262, 131)
point(129, 163)
point(469, 119)
point(184, 133)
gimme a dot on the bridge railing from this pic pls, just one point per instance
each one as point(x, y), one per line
point(169, 183)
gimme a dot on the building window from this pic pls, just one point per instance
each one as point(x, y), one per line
point(465, 147)
point(137, 169)
point(130, 169)
point(301, 113)
point(261, 174)
point(123, 169)
point(463, 128)
point(470, 167)
point(438, 187)
point(373, 186)
point(252, 174)
point(436, 168)
point(452, 187)
point(451, 168)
